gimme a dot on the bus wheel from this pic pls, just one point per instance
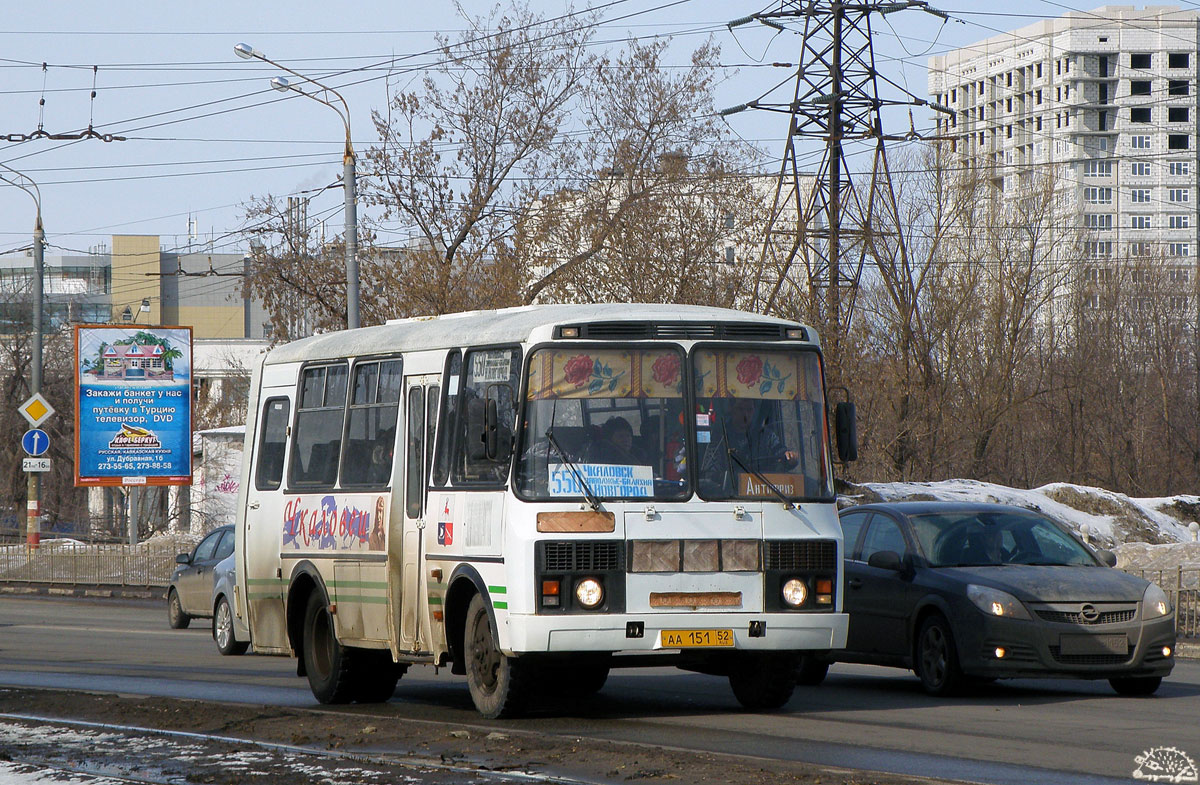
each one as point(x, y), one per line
point(762, 683)
point(326, 661)
point(377, 675)
point(497, 683)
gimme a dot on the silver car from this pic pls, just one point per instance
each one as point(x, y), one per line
point(190, 593)
point(230, 631)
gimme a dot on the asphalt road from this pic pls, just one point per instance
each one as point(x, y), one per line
point(1053, 731)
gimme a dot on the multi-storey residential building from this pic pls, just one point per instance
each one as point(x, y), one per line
point(1107, 100)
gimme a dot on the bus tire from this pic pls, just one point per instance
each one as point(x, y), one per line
point(498, 684)
point(377, 675)
point(175, 615)
point(763, 683)
point(326, 661)
point(811, 671)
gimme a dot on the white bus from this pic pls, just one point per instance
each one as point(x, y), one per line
point(533, 496)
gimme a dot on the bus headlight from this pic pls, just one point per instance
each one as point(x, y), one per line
point(589, 592)
point(795, 592)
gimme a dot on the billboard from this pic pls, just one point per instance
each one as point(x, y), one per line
point(133, 413)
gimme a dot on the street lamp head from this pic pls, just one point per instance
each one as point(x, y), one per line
point(245, 51)
point(145, 305)
point(281, 84)
point(127, 314)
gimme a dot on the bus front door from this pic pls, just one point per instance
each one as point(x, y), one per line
point(421, 395)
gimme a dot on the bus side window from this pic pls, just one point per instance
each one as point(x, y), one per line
point(317, 437)
point(371, 425)
point(271, 442)
point(416, 452)
point(448, 426)
point(490, 374)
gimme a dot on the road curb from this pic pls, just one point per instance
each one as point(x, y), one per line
point(92, 591)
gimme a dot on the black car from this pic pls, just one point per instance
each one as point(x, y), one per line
point(191, 589)
point(986, 591)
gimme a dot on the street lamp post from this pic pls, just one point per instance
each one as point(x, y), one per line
point(33, 481)
point(282, 84)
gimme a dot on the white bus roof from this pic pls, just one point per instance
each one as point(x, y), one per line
point(507, 325)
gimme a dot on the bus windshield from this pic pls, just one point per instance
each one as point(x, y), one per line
point(605, 423)
point(760, 425)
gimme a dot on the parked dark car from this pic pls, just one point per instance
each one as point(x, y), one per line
point(956, 591)
point(191, 589)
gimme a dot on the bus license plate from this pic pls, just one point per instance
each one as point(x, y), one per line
point(683, 639)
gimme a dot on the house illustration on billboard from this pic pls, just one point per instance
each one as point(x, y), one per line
point(134, 361)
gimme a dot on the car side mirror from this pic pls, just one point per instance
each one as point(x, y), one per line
point(845, 426)
point(1107, 556)
point(886, 560)
point(183, 558)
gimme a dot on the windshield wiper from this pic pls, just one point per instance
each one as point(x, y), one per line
point(592, 501)
point(787, 503)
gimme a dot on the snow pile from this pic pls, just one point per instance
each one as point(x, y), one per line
point(1107, 519)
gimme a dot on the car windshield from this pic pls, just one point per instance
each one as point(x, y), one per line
point(962, 539)
point(760, 425)
point(605, 423)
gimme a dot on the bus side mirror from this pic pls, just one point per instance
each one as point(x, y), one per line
point(846, 428)
point(1107, 557)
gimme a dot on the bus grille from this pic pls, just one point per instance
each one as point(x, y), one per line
point(579, 556)
point(800, 555)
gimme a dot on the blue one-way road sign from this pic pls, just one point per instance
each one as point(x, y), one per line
point(35, 442)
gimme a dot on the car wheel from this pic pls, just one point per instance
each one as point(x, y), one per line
point(326, 661)
point(937, 657)
point(175, 615)
point(811, 671)
point(377, 674)
point(499, 685)
point(763, 683)
point(222, 629)
point(1136, 685)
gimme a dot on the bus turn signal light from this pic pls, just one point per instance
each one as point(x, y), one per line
point(550, 593)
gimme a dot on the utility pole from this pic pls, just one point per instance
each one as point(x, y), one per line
point(349, 177)
point(33, 506)
point(819, 221)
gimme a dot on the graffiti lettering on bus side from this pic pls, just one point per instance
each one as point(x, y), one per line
point(324, 526)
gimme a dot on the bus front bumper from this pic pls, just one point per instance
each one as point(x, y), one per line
point(529, 633)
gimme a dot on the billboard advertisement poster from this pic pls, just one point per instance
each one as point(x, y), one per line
point(133, 414)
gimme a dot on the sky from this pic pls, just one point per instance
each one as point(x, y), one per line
point(206, 133)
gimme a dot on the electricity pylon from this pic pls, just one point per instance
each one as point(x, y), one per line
point(817, 239)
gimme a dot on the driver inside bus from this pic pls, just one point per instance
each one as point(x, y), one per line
point(753, 440)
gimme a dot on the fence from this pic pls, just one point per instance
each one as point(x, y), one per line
point(1182, 585)
point(77, 564)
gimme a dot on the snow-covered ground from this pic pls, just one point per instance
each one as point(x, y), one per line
point(1150, 533)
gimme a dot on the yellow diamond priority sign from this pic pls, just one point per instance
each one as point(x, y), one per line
point(36, 410)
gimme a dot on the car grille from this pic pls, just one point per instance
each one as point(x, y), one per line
point(1089, 659)
point(1075, 617)
point(800, 555)
point(575, 556)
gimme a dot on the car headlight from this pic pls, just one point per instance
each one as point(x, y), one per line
point(996, 603)
point(1155, 602)
point(589, 592)
point(795, 592)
